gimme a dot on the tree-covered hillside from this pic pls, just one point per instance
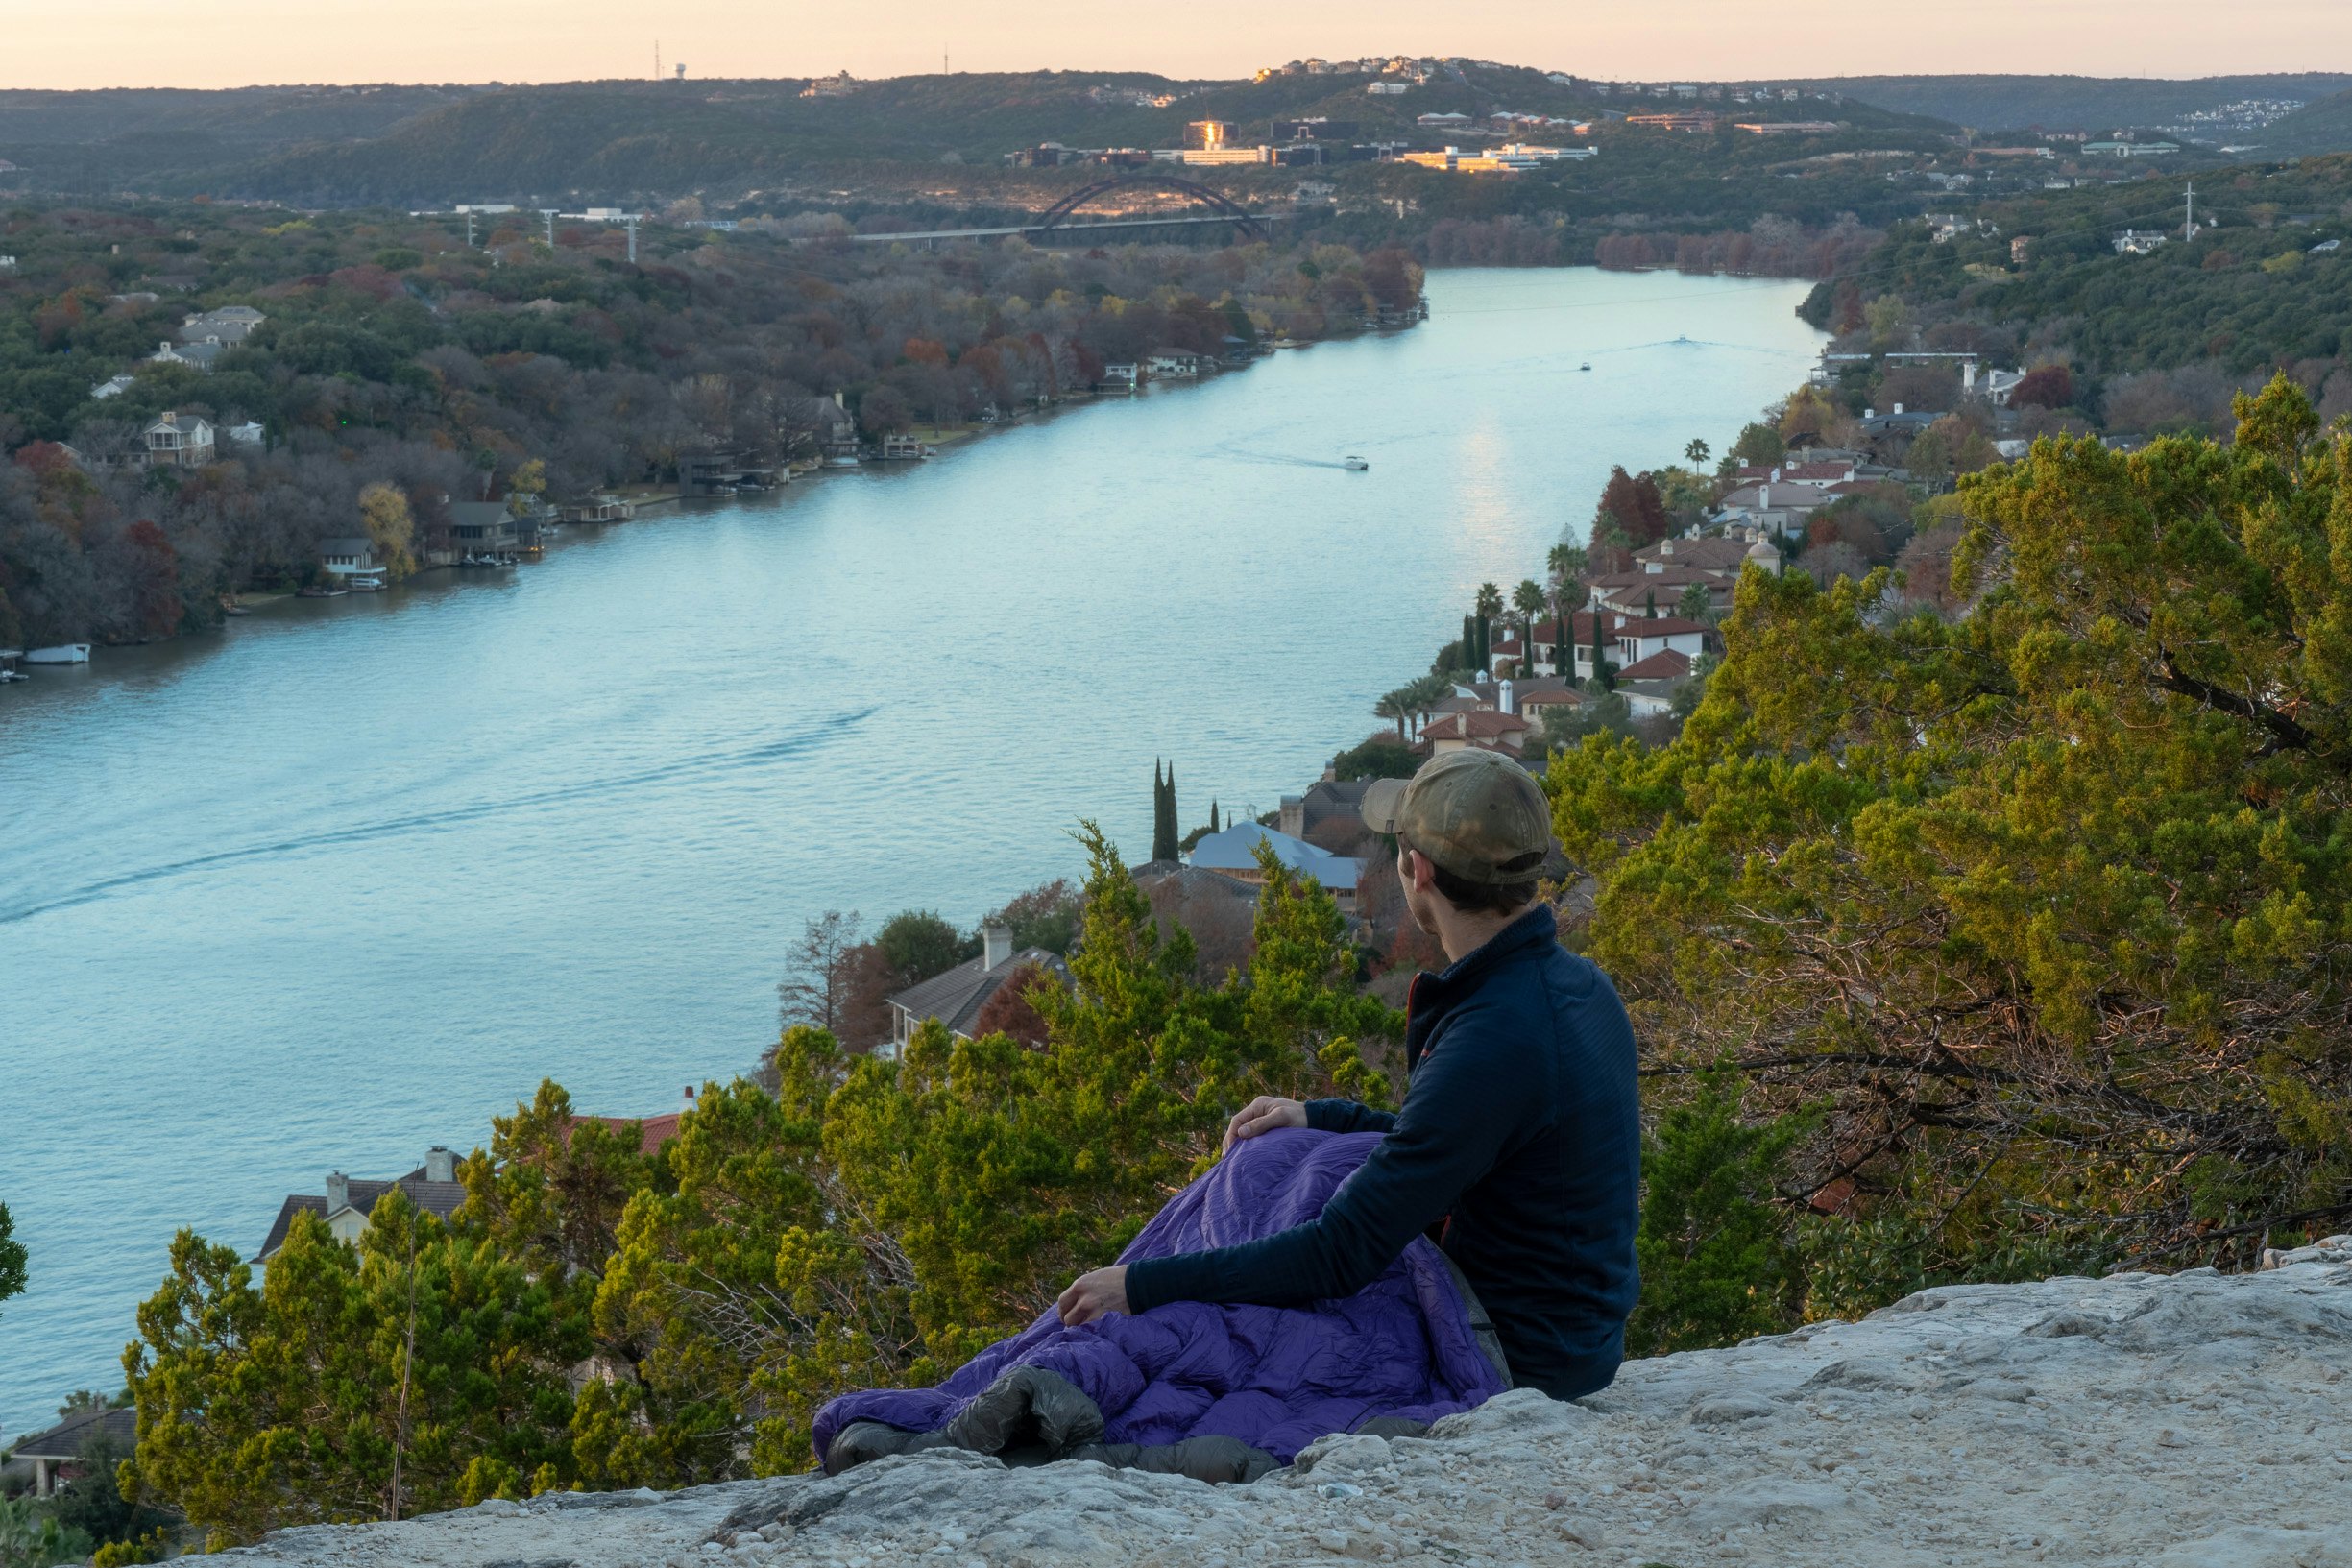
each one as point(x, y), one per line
point(2255, 289)
point(621, 139)
point(2092, 103)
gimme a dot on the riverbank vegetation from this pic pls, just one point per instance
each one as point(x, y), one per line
point(392, 353)
point(599, 1316)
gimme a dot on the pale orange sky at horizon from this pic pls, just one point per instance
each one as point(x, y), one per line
point(227, 43)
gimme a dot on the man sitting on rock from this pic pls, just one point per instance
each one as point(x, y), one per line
point(1518, 1146)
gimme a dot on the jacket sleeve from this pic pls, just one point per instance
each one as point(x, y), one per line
point(1346, 1116)
point(1458, 1116)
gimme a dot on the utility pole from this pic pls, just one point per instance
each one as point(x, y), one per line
point(656, 60)
point(470, 245)
point(630, 224)
point(2188, 227)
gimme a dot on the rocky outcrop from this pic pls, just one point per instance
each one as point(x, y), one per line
point(2191, 1421)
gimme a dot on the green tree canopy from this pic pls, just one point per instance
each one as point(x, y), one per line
point(2047, 907)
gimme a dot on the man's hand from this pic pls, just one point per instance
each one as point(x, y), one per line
point(1264, 1114)
point(1091, 1295)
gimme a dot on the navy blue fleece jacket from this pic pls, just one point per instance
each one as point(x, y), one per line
point(1519, 1147)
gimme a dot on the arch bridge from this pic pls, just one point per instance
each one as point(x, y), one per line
point(1059, 214)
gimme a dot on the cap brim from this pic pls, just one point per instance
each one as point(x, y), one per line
point(1382, 804)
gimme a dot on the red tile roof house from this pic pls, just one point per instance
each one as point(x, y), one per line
point(1580, 643)
point(1638, 638)
point(1649, 685)
point(1485, 730)
point(1831, 472)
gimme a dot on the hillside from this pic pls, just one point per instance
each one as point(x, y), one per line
point(621, 140)
point(2088, 103)
point(2087, 1423)
point(2317, 128)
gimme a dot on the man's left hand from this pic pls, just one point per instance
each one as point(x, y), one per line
point(1091, 1295)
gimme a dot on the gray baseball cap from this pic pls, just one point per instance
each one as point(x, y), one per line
point(1475, 813)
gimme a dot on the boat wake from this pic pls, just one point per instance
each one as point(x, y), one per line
point(704, 765)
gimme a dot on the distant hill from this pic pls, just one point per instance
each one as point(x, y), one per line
point(2088, 102)
point(2323, 127)
point(626, 139)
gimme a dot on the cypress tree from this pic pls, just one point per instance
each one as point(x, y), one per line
point(1213, 814)
point(1164, 833)
point(1600, 664)
point(1469, 642)
point(1649, 605)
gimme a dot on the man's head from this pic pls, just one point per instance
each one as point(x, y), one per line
point(1471, 827)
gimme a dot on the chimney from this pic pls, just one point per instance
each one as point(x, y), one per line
point(687, 1104)
point(1870, 413)
point(440, 1165)
point(338, 1192)
point(996, 945)
point(1775, 476)
point(1897, 408)
point(837, 403)
point(1507, 699)
point(1294, 815)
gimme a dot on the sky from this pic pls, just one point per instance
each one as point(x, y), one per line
point(227, 43)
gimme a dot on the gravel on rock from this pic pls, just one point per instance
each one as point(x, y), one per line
point(2189, 1421)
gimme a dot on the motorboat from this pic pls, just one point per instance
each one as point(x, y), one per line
point(1354, 465)
point(64, 653)
point(1585, 367)
point(364, 581)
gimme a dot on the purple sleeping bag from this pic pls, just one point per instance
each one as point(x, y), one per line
point(1224, 1392)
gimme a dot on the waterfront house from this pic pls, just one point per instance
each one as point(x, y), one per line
point(346, 1205)
point(899, 448)
point(1121, 374)
point(1181, 364)
point(179, 441)
point(1639, 638)
point(652, 1131)
point(59, 1454)
point(1638, 592)
point(483, 527)
point(1717, 554)
point(1484, 730)
point(956, 996)
point(114, 386)
point(342, 557)
point(1234, 852)
point(1326, 800)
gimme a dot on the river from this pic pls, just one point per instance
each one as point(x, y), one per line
point(342, 880)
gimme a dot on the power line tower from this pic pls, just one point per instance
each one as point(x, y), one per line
point(548, 213)
point(2187, 227)
point(470, 245)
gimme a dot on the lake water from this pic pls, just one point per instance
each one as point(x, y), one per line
point(341, 882)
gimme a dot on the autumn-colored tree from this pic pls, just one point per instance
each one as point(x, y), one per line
point(2046, 386)
point(385, 519)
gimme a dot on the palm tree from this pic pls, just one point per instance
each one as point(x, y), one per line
point(1528, 600)
point(1696, 455)
point(1395, 705)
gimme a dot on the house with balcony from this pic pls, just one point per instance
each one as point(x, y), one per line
point(179, 441)
point(344, 556)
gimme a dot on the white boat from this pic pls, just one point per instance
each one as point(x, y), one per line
point(64, 653)
point(1584, 367)
point(1355, 464)
point(364, 581)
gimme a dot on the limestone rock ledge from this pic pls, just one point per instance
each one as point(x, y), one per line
point(2191, 1421)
